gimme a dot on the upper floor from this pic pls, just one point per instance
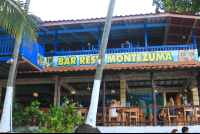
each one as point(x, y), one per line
point(149, 38)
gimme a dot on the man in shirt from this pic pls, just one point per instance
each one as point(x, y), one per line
point(65, 103)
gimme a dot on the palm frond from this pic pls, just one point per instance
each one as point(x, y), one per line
point(15, 20)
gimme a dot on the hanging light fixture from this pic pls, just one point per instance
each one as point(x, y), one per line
point(183, 37)
point(73, 92)
point(88, 44)
point(127, 41)
point(35, 94)
point(156, 91)
point(112, 91)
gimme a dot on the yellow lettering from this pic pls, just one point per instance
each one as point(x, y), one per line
point(133, 56)
point(168, 56)
point(120, 58)
point(93, 60)
point(82, 60)
point(97, 57)
point(111, 59)
point(87, 59)
point(139, 57)
point(152, 55)
point(60, 61)
point(73, 60)
point(127, 58)
point(160, 57)
point(67, 62)
point(145, 57)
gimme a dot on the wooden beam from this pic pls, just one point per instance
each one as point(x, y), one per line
point(167, 31)
point(68, 87)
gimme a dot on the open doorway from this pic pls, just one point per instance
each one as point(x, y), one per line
point(171, 94)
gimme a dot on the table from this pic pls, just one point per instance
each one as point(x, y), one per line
point(184, 110)
point(123, 111)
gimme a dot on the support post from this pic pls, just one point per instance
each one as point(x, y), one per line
point(154, 99)
point(99, 44)
point(104, 88)
point(145, 32)
point(58, 92)
point(195, 42)
point(44, 41)
point(56, 42)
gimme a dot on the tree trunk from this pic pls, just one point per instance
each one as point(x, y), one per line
point(6, 125)
point(91, 119)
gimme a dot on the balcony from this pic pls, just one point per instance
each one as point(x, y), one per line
point(28, 51)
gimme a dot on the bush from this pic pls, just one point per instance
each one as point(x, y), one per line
point(17, 114)
point(32, 112)
point(61, 120)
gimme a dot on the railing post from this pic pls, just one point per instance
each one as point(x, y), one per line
point(44, 41)
point(154, 99)
point(99, 44)
point(146, 43)
point(195, 42)
point(56, 41)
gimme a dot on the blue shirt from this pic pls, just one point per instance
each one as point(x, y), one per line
point(64, 104)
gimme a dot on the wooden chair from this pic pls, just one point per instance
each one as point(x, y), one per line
point(168, 116)
point(135, 116)
point(112, 117)
point(99, 118)
point(107, 116)
point(141, 117)
point(150, 119)
point(194, 117)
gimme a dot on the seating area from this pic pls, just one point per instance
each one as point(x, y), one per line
point(135, 117)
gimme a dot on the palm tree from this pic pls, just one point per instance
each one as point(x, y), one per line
point(91, 119)
point(19, 24)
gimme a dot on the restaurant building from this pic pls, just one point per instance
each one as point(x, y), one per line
point(162, 46)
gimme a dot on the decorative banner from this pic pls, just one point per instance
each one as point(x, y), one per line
point(182, 55)
point(40, 60)
point(120, 58)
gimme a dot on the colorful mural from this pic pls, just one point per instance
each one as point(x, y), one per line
point(122, 58)
point(145, 99)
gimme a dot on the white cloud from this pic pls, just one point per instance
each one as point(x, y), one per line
point(82, 9)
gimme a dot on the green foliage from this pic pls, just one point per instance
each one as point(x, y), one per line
point(32, 112)
point(17, 116)
point(16, 21)
point(61, 120)
point(185, 6)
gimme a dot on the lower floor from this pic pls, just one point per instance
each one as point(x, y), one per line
point(130, 88)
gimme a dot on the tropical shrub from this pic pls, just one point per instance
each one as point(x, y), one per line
point(17, 114)
point(61, 120)
point(32, 112)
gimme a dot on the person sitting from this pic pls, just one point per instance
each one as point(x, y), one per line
point(113, 111)
point(160, 117)
point(185, 130)
point(186, 104)
point(65, 103)
point(171, 109)
point(175, 131)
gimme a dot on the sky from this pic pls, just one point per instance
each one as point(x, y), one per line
point(86, 9)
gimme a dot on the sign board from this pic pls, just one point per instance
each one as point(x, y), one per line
point(122, 58)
